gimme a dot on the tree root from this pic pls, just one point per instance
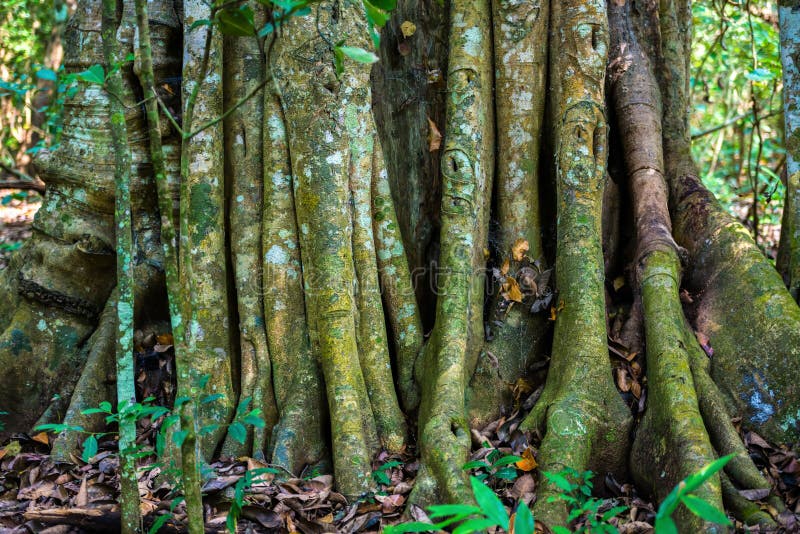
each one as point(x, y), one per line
point(752, 345)
point(450, 355)
point(582, 428)
point(92, 388)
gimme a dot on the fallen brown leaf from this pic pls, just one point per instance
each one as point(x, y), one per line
point(434, 136)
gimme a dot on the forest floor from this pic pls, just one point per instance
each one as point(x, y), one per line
point(39, 495)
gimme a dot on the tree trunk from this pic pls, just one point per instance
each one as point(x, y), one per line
point(382, 241)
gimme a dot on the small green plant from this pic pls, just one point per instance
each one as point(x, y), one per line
point(497, 466)
point(576, 490)
point(699, 507)
point(162, 519)
point(380, 476)
point(467, 518)
point(237, 429)
point(252, 476)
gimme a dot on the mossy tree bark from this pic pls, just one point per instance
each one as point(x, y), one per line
point(291, 270)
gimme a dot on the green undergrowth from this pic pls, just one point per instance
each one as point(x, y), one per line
point(587, 514)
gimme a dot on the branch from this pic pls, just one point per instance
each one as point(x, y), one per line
point(22, 184)
point(19, 174)
point(230, 110)
point(731, 121)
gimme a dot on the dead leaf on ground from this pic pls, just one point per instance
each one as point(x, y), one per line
point(519, 249)
point(511, 290)
point(42, 438)
point(434, 136)
point(528, 462)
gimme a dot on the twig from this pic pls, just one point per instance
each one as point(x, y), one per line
point(732, 121)
point(22, 184)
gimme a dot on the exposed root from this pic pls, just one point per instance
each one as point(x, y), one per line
point(243, 141)
point(517, 335)
point(583, 427)
point(91, 388)
point(451, 353)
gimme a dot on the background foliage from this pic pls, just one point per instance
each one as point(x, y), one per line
point(737, 122)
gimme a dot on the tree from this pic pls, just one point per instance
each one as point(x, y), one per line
point(306, 212)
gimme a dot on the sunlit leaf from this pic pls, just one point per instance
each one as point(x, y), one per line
point(704, 510)
point(358, 54)
point(94, 74)
point(237, 22)
point(489, 503)
point(89, 448)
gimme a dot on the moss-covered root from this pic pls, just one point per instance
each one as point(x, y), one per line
point(450, 355)
point(584, 427)
point(92, 387)
point(373, 343)
point(203, 271)
point(520, 57)
point(330, 135)
point(789, 251)
point(726, 440)
point(755, 345)
point(298, 438)
point(671, 441)
point(396, 284)
point(244, 69)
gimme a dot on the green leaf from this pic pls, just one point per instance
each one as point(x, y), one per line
point(198, 23)
point(211, 398)
point(475, 525)
point(704, 510)
point(386, 5)
point(507, 460)
point(557, 529)
point(376, 37)
point(614, 512)
point(254, 420)
point(695, 480)
point(47, 74)
point(179, 437)
point(207, 429)
point(357, 54)
point(415, 526)
point(238, 432)
point(443, 510)
point(105, 406)
point(237, 22)
point(169, 421)
point(94, 74)
point(559, 481)
point(243, 404)
point(180, 401)
point(506, 473)
point(665, 525)
point(89, 448)
point(375, 16)
point(338, 61)
point(381, 478)
point(475, 464)
point(523, 520)
point(489, 503)
point(159, 522)
point(90, 411)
